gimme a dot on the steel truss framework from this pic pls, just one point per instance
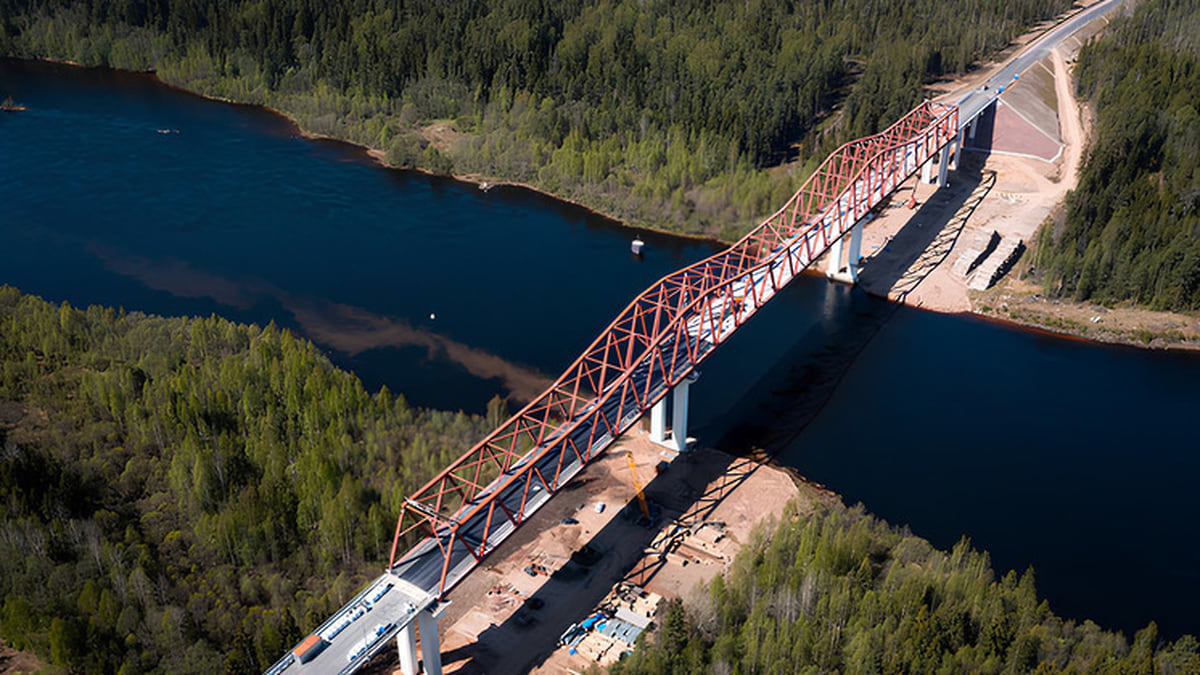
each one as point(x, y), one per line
point(659, 338)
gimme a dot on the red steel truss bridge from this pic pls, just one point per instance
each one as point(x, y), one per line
point(650, 349)
point(469, 508)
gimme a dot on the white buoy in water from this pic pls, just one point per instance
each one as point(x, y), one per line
point(432, 316)
point(636, 246)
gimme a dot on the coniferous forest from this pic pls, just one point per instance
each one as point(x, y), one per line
point(666, 114)
point(189, 495)
point(840, 591)
point(1132, 227)
point(192, 495)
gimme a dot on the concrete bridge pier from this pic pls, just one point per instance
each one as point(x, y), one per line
point(834, 267)
point(927, 171)
point(679, 416)
point(431, 654)
point(406, 642)
point(834, 270)
point(854, 255)
point(958, 149)
point(658, 422)
point(943, 166)
point(679, 412)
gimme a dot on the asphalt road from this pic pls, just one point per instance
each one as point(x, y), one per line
point(975, 102)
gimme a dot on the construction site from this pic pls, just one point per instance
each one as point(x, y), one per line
point(939, 248)
point(642, 525)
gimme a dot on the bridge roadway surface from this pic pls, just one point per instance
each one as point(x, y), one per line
point(417, 578)
point(977, 101)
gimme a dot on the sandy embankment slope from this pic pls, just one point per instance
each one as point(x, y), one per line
point(911, 253)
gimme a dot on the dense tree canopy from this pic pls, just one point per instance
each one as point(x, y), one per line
point(667, 113)
point(171, 488)
point(840, 591)
point(1132, 229)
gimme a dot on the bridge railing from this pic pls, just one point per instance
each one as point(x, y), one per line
point(690, 311)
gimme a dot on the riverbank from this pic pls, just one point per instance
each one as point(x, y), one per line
point(1027, 191)
point(1018, 301)
point(1024, 192)
point(13, 662)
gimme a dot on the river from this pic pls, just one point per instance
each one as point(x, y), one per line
point(1073, 458)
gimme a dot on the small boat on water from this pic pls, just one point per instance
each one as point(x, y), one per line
point(636, 246)
point(485, 186)
point(9, 106)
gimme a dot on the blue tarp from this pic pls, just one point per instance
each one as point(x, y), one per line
point(591, 621)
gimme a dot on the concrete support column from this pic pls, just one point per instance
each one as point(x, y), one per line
point(835, 259)
point(431, 649)
point(679, 415)
point(943, 166)
point(927, 171)
point(406, 642)
point(658, 421)
point(855, 252)
point(958, 148)
point(971, 128)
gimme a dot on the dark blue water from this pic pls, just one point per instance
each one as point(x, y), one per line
point(1078, 459)
point(1073, 458)
point(118, 190)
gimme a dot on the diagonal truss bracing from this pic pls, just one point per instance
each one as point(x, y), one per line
point(661, 336)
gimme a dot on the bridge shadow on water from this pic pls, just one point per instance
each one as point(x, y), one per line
point(793, 392)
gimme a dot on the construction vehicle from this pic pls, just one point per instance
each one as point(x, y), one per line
point(637, 485)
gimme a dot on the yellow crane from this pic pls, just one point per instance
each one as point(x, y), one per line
point(637, 485)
